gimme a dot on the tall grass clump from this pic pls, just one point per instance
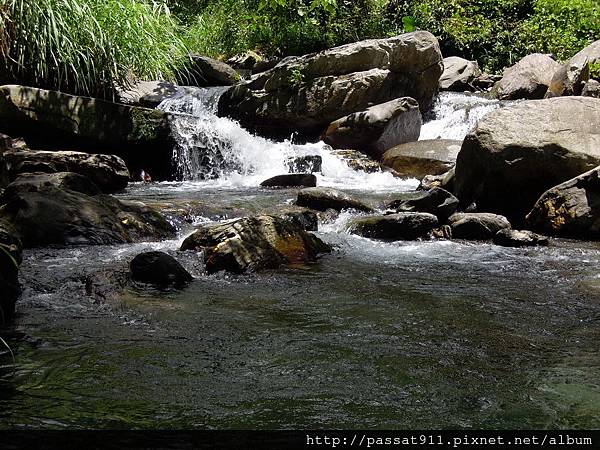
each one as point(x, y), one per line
point(87, 47)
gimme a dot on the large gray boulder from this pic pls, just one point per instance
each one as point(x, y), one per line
point(459, 74)
point(421, 158)
point(52, 216)
point(527, 79)
point(10, 259)
point(307, 93)
point(519, 238)
point(33, 182)
point(378, 128)
point(477, 226)
point(518, 152)
point(55, 120)
point(108, 172)
point(322, 199)
point(571, 209)
point(204, 72)
point(570, 78)
point(255, 243)
point(148, 94)
point(395, 227)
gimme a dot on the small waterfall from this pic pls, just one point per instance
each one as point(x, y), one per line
point(454, 115)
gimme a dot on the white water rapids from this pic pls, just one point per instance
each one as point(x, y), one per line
point(217, 151)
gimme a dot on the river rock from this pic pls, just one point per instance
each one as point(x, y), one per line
point(477, 226)
point(436, 201)
point(10, 259)
point(444, 181)
point(255, 243)
point(518, 152)
point(205, 72)
point(52, 216)
point(518, 238)
point(33, 182)
point(309, 92)
point(305, 164)
point(570, 209)
point(527, 79)
point(158, 268)
point(591, 89)
point(108, 172)
point(421, 158)
point(322, 199)
point(148, 94)
point(569, 79)
point(359, 161)
point(400, 226)
point(378, 128)
point(291, 180)
point(50, 120)
point(305, 218)
point(459, 74)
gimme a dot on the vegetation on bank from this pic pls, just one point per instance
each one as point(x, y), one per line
point(88, 46)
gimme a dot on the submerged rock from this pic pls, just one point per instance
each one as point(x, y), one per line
point(570, 209)
point(436, 201)
point(400, 226)
point(477, 226)
point(158, 268)
point(322, 199)
point(459, 74)
point(291, 180)
point(527, 79)
point(378, 128)
point(52, 216)
point(10, 259)
point(309, 92)
point(255, 243)
point(517, 238)
point(108, 172)
point(518, 152)
point(421, 158)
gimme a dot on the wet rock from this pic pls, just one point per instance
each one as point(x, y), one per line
point(377, 128)
point(309, 92)
point(306, 219)
point(571, 209)
point(591, 89)
point(569, 79)
point(400, 226)
point(421, 158)
point(291, 180)
point(459, 74)
point(148, 94)
point(477, 226)
point(527, 79)
point(10, 259)
point(255, 243)
point(305, 164)
point(51, 120)
point(444, 181)
point(108, 172)
point(322, 199)
point(33, 182)
point(51, 216)
point(205, 72)
point(359, 161)
point(436, 201)
point(517, 238)
point(158, 268)
point(557, 137)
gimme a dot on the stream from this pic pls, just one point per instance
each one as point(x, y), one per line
point(403, 335)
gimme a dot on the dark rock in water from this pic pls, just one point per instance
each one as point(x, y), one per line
point(108, 172)
point(322, 199)
point(10, 259)
point(52, 216)
point(359, 161)
point(158, 268)
point(571, 77)
point(378, 128)
point(308, 220)
point(148, 94)
point(444, 181)
point(32, 182)
point(307, 93)
point(518, 152)
point(305, 164)
point(291, 180)
point(459, 74)
point(517, 238)
point(255, 243)
point(527, 79)
point(421, 158)
point(571, 209)
point(436, 201)
point(400, 226)
point(477, 226)
point(205, 72)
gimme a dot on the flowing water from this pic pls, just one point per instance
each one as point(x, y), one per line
point(432, 334)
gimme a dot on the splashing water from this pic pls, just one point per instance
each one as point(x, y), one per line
point(455, 115)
